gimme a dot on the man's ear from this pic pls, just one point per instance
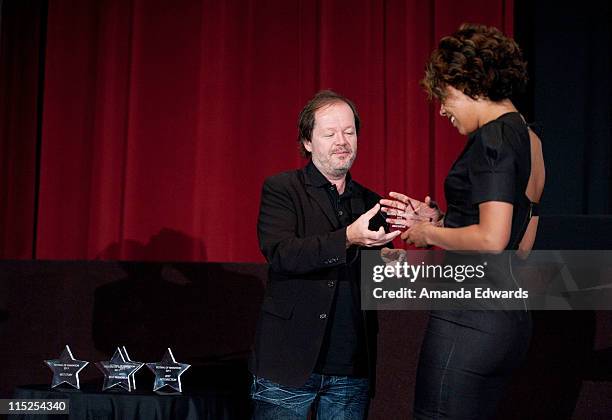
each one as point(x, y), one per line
point(307, 145)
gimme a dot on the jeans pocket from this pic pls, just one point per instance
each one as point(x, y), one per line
point(273, 393)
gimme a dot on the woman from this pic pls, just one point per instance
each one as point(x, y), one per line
point(468, 356)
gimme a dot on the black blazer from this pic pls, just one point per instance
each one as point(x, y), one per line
point(304, 244)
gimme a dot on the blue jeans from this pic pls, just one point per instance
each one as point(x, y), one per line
point(333, 398)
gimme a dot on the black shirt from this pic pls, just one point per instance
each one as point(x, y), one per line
point(494, 166)
point(343, 350)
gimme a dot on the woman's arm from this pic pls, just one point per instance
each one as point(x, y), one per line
point(492, 233)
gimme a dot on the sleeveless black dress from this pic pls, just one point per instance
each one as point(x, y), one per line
point(468, 356)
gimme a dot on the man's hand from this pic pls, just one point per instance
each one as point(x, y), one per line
point(357, 233)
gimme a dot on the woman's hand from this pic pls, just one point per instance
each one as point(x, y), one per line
point(417, 234)
point(392, 256)
point(405, 211)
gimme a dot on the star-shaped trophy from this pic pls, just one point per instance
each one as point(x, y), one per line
point(118, 371)
point(66, 369)
point(168, 372)
point(132, 375)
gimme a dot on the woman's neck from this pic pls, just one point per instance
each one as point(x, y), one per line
point(493, 110)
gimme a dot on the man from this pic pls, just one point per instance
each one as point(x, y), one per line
point(314, 346)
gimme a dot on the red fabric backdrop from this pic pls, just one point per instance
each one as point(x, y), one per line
point(21, 25)
point(162, 119)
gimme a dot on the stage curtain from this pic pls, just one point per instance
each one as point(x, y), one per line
point(161, 120)
point(21, 66)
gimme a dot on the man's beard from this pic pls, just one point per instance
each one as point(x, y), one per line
point(337, 171)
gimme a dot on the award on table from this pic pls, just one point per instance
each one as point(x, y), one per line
point(66, 369)
point(118, 371)
point(168, 372)
point(132, 375)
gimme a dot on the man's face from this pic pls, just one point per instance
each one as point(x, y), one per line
point(334, 140)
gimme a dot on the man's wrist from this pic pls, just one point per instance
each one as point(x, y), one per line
point(348, 237)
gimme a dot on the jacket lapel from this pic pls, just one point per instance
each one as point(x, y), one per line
point(320, 196)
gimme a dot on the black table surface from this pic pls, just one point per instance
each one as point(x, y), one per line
point(90, 403)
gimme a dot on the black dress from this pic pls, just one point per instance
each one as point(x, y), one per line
point(468, 356)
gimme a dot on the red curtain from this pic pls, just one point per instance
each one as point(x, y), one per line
point(162, 119)
point(21, 26)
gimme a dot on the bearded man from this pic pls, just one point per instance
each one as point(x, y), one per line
point(315, 349)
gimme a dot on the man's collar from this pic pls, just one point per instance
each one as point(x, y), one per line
point(315, 178)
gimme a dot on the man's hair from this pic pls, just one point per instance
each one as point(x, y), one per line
point(479, 61)
point(306, 120)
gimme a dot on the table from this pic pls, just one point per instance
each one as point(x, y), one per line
point(90, 403)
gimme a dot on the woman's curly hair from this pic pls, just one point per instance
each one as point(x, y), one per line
point(478, 60)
